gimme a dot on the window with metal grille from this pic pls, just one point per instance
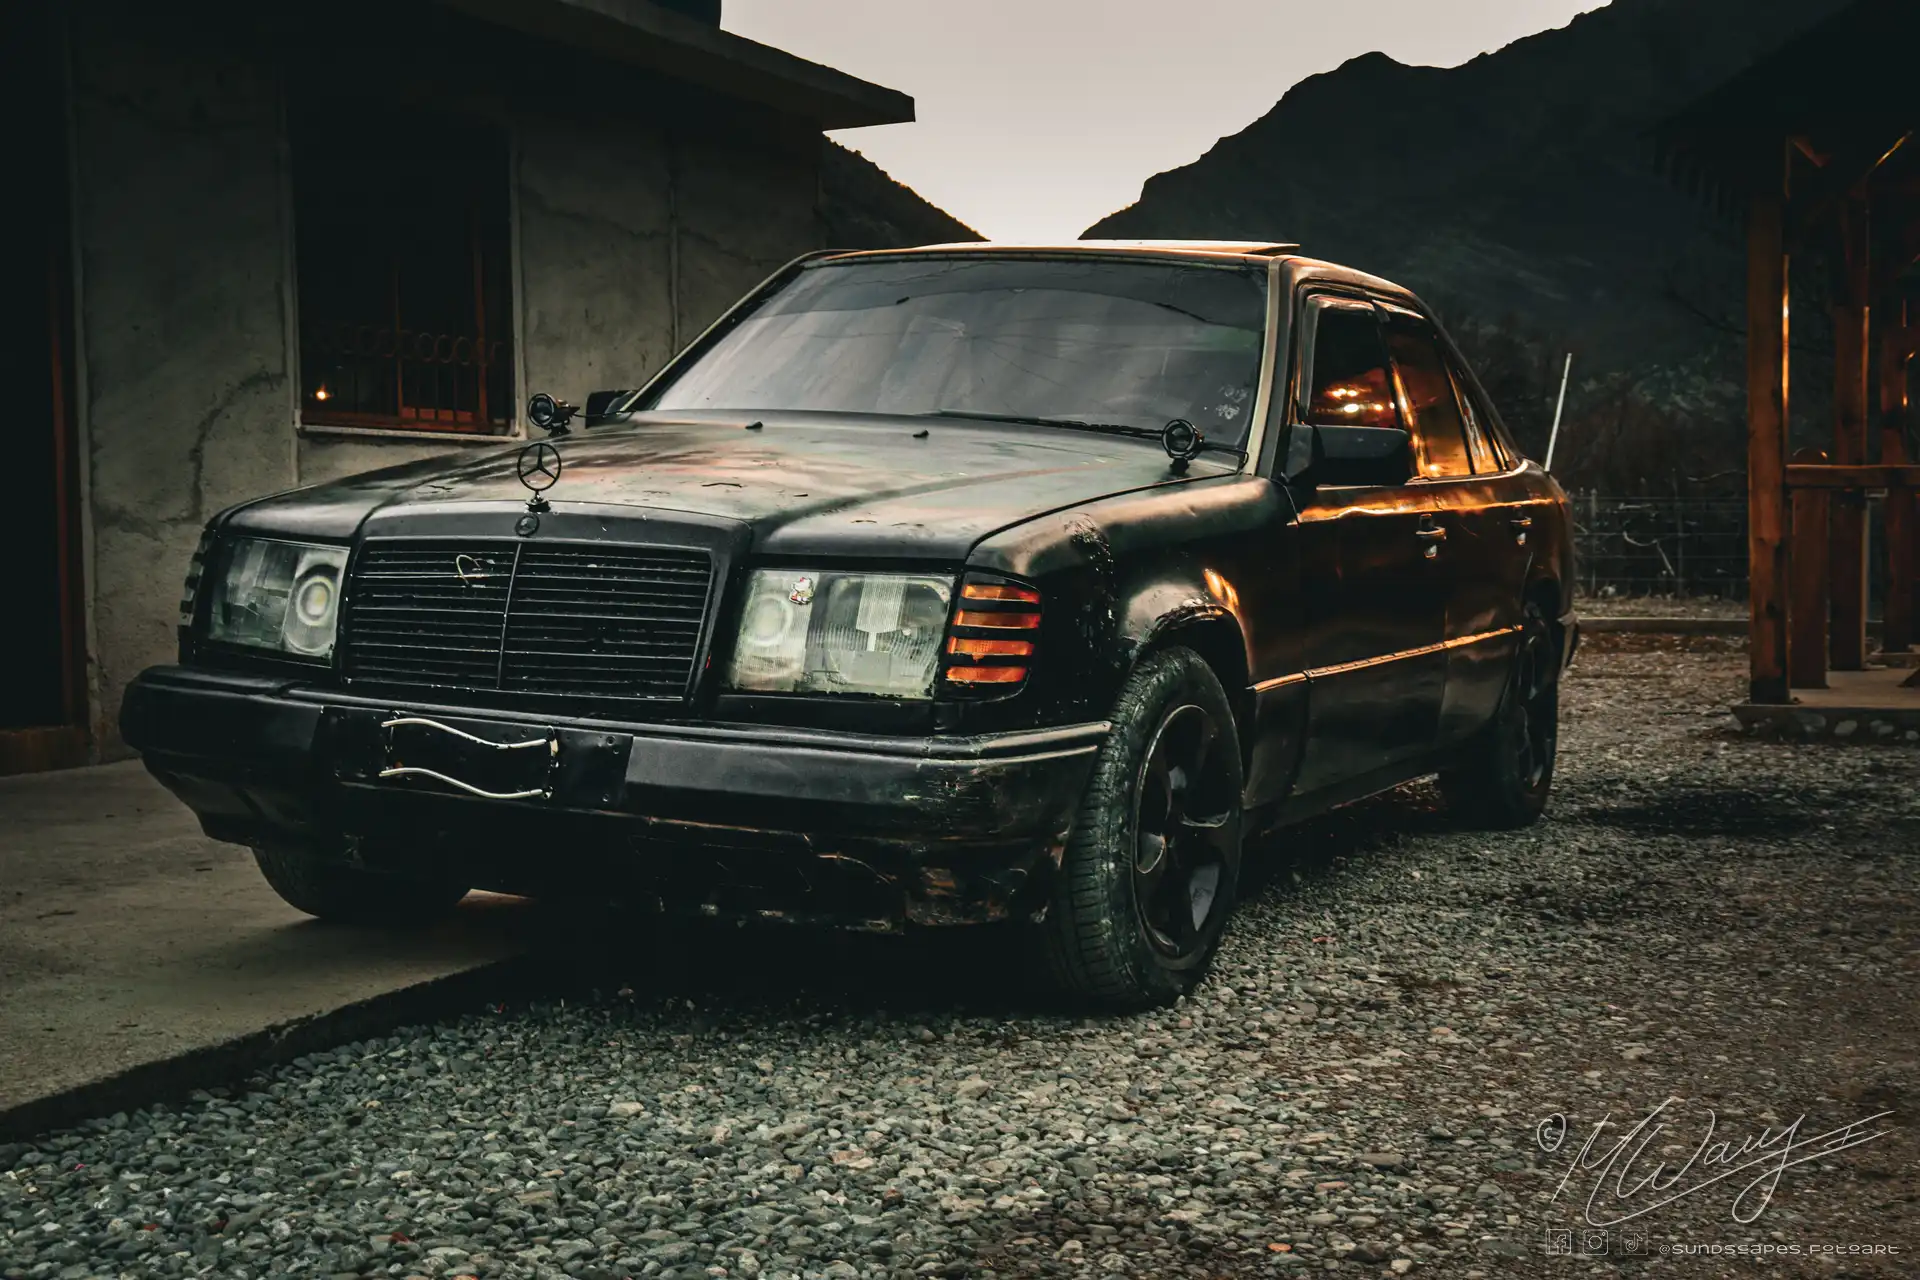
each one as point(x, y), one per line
point(401, 229)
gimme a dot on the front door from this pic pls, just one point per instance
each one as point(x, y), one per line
point(1376, 664)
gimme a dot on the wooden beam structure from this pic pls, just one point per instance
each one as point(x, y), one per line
point(1839, 180)
point(1767, 553)
point(1811, 508)
point(1868, 475)
point(1897, 613)
point(1852, 316)
point(1818, 144)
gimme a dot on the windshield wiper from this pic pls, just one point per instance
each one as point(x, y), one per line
point(1035, 420)
point(1107, 428)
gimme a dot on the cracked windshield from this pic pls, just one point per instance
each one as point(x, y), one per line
point(1103, 342)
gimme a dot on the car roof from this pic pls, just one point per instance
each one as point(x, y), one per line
point(1214, 249)
point(1206, 250)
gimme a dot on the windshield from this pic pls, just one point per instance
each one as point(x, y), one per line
point(1107, 341)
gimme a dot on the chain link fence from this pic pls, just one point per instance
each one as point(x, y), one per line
point(1638, 546)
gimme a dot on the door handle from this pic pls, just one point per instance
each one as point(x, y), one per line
point(1431, 534)
point(1520, 527)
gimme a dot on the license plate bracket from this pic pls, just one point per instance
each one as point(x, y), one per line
point(520, 763)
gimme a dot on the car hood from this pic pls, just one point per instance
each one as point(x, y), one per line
point(801, 482)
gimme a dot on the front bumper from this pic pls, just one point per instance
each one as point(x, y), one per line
point(720, 819)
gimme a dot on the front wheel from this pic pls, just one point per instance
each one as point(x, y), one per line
point(311, 882)
point(1149, 875)
point(1507, 771)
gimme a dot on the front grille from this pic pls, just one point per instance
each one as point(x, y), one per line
point(563, 619)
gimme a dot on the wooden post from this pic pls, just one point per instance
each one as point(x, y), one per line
point(1896, 348)
point(1807, 643)
point(1767, 554)
point(1847, 558)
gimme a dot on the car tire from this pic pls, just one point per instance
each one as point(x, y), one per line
point(330, 889)
point(1508, 773)
point(1148, 877)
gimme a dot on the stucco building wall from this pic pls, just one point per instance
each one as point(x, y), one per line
point(629, 235)
point(184, 377)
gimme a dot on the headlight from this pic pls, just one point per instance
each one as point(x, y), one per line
point(820, 632)
point(283, 596)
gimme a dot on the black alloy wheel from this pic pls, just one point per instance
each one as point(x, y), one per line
point(1184, 820)
point(1506, 773)
point(1536, 727)
point(1148, 879)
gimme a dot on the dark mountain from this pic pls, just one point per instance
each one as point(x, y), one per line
point(861, 207)
point(1516, 193)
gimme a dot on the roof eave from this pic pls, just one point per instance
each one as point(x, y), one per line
point(1725, 143)
point(645, 35)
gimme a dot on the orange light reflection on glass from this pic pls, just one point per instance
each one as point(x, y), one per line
point(996, 621)
point(989, 648)
point(986, 675)
point(998, 591)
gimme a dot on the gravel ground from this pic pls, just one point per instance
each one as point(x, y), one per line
point(1604, 606)
point(1364, 1086)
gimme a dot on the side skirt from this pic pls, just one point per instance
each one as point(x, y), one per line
point(1299, 808)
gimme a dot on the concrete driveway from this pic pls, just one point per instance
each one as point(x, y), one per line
point(136, 954)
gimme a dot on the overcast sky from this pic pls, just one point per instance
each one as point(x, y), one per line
point(1039, 117)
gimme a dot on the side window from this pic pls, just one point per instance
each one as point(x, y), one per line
point(1431, 400)
point(1350, 384)
point(1504, 449)
point(1487, 459)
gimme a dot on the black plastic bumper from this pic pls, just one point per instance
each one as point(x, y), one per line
point(730, 820)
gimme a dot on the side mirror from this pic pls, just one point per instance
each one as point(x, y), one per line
point(600, 402)
point(1353, 455)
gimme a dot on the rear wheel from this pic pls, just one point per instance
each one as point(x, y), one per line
point(1506, 772)
point(1150, 872)
point(331, 889)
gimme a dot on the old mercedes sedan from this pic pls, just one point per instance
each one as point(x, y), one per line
point(950, 585)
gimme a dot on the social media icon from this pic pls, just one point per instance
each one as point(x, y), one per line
point(1633, 1242)
point(1593, 1242)
point(1559, 1242)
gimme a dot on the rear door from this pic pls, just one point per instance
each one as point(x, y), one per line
point(1376, 664)
point(1483, 555)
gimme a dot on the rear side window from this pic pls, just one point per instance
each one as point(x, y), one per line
point(1350, 384)
point(1438, 425)
point(1492, 451)
point(1486, 455)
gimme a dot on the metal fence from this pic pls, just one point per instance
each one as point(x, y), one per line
point(1661, 546)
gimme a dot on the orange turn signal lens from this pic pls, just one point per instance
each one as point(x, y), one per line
point(998, 591)
point(996, 621)
point(986, 675)
point(989, 648)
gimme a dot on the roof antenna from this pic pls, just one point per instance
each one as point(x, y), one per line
point(1554, 438)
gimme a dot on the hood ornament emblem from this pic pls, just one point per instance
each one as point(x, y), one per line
point(539, 468)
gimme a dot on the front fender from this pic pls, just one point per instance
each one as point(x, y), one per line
point(1176, 602)
point(1129, 573)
